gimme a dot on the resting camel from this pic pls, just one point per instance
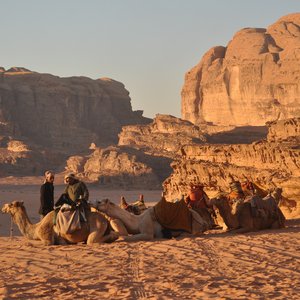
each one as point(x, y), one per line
point(252, 188)
point(239, 219)
point(94, 231)
point(144, 226)
point(136, 208)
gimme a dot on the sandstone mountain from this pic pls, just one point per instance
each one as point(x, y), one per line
point(63, 113)
point(253, 80)
point(55, 117)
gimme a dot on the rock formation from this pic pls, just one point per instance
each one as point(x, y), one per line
point(63, 113)
point(164, 136)
point(119, 167)
point(56, 117)
point(273, 162)
point(255, 79)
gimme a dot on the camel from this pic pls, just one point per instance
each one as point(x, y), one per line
point(239, 217)
point(252, 188)
point(144, 226)
point(94, 231)
point(136, 208)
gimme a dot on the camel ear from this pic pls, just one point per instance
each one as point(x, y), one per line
point(123, 201)
point(142, 198)
point(17, 203)
point(105, 201)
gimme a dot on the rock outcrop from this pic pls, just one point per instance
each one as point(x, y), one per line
point(270, 163)
point(119, 167)
point(164, 136)
point(284, 131)
point(255, 79)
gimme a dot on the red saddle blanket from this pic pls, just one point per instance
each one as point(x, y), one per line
point(173, 215)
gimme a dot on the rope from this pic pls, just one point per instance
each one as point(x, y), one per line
point(11, 227)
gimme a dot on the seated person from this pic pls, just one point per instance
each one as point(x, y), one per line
point(199, 201)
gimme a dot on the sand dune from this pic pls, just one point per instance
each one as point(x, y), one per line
point(260, 265)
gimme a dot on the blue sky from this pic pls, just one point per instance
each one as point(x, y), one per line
point(147, 45)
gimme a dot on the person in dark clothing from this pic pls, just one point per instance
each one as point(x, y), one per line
point(47, 194)
point(76, 189)
point(77, 192)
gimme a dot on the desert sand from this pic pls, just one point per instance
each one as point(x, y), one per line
point(216, 265)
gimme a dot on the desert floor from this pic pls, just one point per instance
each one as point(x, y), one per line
point(217, 265)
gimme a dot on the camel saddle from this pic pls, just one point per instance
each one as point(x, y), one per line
point(68, 219)
point(267, 203)
point(173, 215)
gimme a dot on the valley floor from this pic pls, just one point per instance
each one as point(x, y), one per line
point(216, 265)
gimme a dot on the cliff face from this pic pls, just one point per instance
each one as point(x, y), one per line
point(143, 155)
point(63, 113)
point(54, 118)
point(118, 167)
point(285, 130)
point(255, 79)
point(270, 163)
point(164, 136)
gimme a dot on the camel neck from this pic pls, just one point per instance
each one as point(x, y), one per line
point(130, 220)
point(24, 224)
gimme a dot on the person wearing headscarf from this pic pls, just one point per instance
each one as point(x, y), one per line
point(47, 194)
point(76, 191)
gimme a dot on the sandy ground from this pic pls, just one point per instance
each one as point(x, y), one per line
point(260, 265)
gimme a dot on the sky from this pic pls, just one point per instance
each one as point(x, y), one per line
point(148, 45)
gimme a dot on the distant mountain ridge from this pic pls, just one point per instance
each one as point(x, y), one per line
point(63, 113)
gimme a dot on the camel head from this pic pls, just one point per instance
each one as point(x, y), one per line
point(102, 205)
point(136, 208)
point(276, 193)
point(13, 207)
point(221, 203)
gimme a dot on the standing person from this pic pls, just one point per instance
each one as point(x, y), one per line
point(77, 191)
point(47, 194)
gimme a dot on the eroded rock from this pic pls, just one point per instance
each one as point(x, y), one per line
point(255, 79)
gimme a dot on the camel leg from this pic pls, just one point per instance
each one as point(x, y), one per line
point(118, 227)
point(47, 238)
point(198, 224)
point(97, 237)
point(241, 230)
point(94, 238)
point(60, 241)
point(146, 233)
point(138, 237)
